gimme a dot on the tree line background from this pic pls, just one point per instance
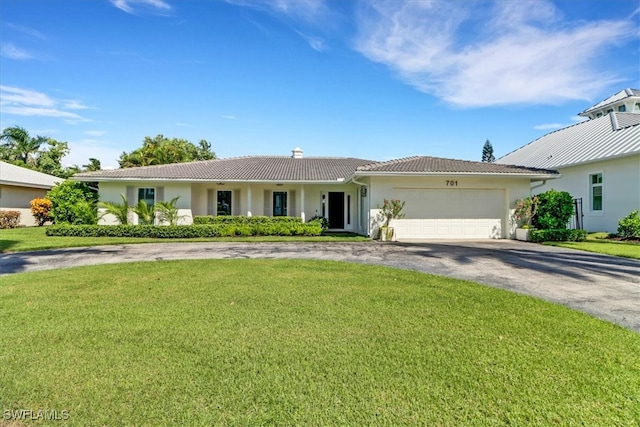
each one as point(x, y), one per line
point(44, 154)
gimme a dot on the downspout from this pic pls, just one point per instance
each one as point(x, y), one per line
point(364, 227)
point(533, 187)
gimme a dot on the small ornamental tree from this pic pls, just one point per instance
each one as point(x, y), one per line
point(168, 211)
point(73, 202)
point(119, 210)
point(146, 214)
point(555, 209)
point(41, 210)
point(391, 209)
point(525, 210)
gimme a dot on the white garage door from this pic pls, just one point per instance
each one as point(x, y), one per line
point(450, 214)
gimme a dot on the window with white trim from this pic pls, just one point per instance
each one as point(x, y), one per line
point(595, 182)
point(279, 203)
point(148, 195)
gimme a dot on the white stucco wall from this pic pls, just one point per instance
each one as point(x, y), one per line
point(308, 198)
point(111, 191)
point(15, 198)
point(621, 190)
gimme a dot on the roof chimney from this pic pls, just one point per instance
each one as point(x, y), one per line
point(297, 153)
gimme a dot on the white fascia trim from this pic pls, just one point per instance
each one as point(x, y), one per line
point(27, 185)
point(233, 181)
point(474, 174)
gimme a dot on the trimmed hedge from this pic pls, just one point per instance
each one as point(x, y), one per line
point(241, 219)
point(558, 235)
point(187, 231)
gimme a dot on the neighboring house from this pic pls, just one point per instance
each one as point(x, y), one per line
point(444, 198)
point(598, 159)
point(18, 186)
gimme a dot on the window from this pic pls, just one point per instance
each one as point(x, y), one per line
point(636, 106)
point(595, 181)
point(599, 115)
point(224, 203)
point(148, 195)
point(610, 110)
point(279, 203)
point(622, 108)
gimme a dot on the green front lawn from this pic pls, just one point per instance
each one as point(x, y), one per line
point(34, 238)
point(597, 242)
point(292, 342)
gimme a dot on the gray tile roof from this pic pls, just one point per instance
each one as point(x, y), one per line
point(610, 136)
point(625, 93)
point(437, 165)
point(250, 168)
point(23, 177)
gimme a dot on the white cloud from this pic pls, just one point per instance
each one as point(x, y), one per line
point(10, 95)
point(33, 33)
point(11, 51)
point(95, 133)
point(26, 102)
point(183, 125)
point(517, 54)
point(72, 104)
point(307, 10)
point(81, 151)
point(229, 117)
point(316, 43)
point(140, 6)
point(550, 126)
point(313, 13)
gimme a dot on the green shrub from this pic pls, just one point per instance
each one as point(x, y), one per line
point(555, 209)
point(73, 202)
point(558, 235)
point(241, 219)
point(9, 219)
point(629, 226)
point(185, 231)
point(324, 222)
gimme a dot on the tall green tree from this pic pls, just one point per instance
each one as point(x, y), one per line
point(161, 150)
point(50, 159)
point(92, 166)
point(487, 152)
point(20, 148)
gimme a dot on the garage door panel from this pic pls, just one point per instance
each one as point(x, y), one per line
point(450, 214)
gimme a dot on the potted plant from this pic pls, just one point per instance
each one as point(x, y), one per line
point(391, 209)
point(524, 212)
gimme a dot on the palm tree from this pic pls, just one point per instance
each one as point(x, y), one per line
point(19, 146)
point(146, 214)
point(93, 165)
point(168, 211)
point(119, 210)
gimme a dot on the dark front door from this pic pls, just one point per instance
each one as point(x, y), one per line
point(336, 210)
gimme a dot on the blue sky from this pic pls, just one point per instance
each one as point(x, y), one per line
point(370, 79)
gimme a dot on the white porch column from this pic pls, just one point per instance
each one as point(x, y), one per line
point(302, 214)
point(249, 200)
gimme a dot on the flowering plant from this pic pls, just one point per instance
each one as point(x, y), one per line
point(525, 210)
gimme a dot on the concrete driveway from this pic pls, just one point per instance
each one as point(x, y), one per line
point(603, 286)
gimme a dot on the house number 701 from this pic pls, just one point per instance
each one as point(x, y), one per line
point(452, 183)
